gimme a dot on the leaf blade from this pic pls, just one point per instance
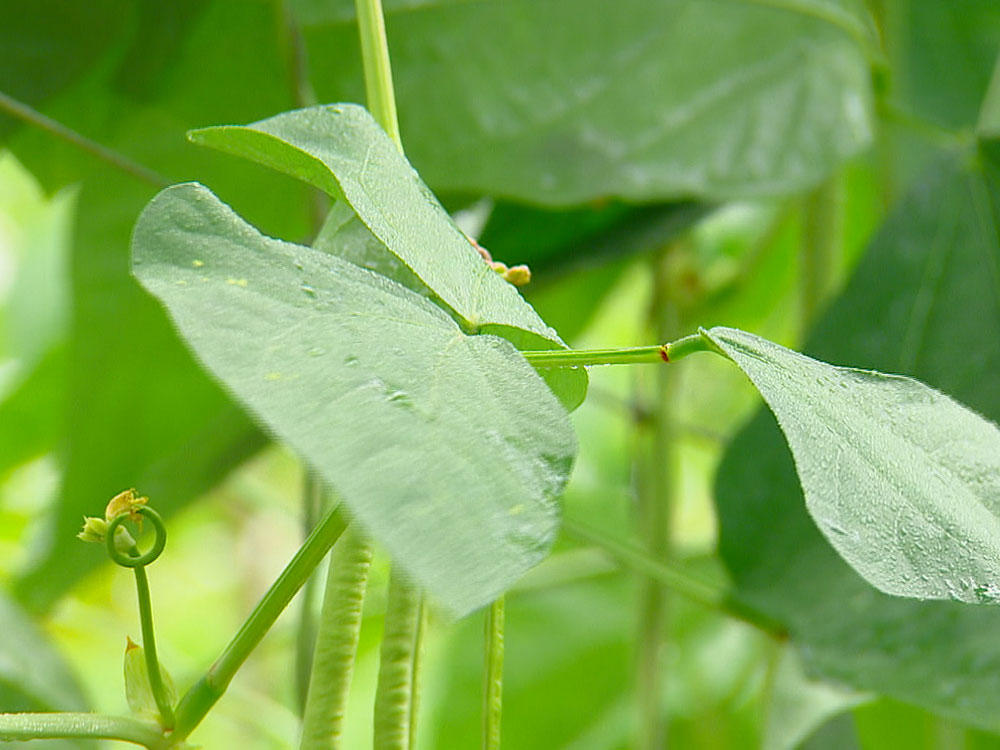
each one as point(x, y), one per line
point(447, 447)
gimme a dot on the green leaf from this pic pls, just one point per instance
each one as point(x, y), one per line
point(800, 706)
point(33, 677)
point(342, 150)
point(902, 480)
point(136, 408)
point(560, 102)
point(924, 301)
point(138, 688)
point(447, 447)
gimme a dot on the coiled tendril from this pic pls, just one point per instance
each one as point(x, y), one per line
point(131, 560)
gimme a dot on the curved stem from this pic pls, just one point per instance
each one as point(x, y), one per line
point(336, 643)
point(398, 658)
point(493, 676)
point(202, 696)
point(378, 71)
point(40, 726)
point(149, 649)
point(628, 356)
point(32, 116)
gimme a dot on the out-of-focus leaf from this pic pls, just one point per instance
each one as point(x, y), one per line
point(989, 115)
point(48, 44)
point(447, 447)
point(32, 414)
point(561, 102)
point(924, 301)
point(941, 55)
point(140, 412)
point(902, 480)
point(800, 706)
point(33, 677)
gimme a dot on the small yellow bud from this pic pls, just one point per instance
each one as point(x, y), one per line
point(499, 266)
point(94, 530)
point(124, 502)
point(518, 275)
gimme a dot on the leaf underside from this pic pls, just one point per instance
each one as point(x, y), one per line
point(447, 447)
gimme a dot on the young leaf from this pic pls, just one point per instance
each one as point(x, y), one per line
point(138, 690)
point(447, 447)
point(340, 149)
point(903, 481)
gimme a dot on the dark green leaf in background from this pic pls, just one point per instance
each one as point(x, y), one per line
point(924, 301)
point(562, 101)
point(140, 412)
point(447, 447)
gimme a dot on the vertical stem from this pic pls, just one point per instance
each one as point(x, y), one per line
point(655, 479)
point(149, 648)
point(493, 675)
point(397, 666)
point(336, 643)
point(418, 657)
point(818, 256)
point(305, 640)
point(378, 71)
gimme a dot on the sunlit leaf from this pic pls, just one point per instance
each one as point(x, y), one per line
point(447, 447)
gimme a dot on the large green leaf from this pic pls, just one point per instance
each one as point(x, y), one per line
point(560, 102)
point(344, 152)
point(447, 447)
point(903, 481)
point(138, 409)
point(925, 301)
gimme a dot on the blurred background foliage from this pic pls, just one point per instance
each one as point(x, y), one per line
point(809, 170)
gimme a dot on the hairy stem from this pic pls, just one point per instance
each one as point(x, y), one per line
point(202, 696)
point(41, 726)
point(378, 72)
point(394, 703)
point(149, 648)
point(119, 161)
point(493, 675)
point(336, 643)
point(628, 356)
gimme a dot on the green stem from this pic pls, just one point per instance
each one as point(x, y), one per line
point(32, 116)
point(818, 255)
point(671, 352)
point(493, 675)
point(305, 640)
point(203, 695)
point(655, 481)
point(378, 71)
point(21, 727)
point(397, 665)
point(670, 575)
point(336, 643)
point(149, 648)
point(418, 658)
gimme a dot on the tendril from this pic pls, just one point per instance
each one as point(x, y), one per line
point(133, 560)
